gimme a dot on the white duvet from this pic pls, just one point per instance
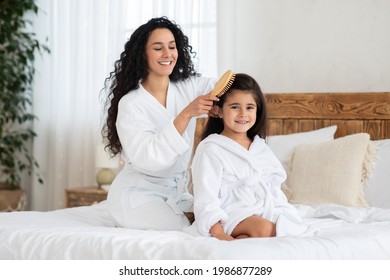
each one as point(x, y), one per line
point(88, 233)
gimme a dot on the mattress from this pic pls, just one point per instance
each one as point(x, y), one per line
point(88, 233)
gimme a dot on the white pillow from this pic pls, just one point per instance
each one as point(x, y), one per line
point(331, 172)
point(283, 145)
point(378, 185)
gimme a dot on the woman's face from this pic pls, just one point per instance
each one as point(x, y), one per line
point(161, 52)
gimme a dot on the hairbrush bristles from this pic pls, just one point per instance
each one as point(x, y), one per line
point(224, 83)
point(226, 88)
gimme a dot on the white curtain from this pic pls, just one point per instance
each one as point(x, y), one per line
point(85, 38)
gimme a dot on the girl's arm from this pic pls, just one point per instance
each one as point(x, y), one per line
point(207, 172)
point(217, 231)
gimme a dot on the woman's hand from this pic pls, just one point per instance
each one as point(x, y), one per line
point(213, 113)
point(199, 106)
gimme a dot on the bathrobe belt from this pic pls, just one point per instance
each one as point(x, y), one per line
point(259, 187)
point(181, 183)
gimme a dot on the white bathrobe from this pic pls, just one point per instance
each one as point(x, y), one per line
point(232, 183)
point(156, 156)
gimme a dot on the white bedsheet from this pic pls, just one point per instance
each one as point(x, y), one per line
point(88, 233)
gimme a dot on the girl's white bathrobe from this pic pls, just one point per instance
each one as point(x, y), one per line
point(156, 156)
point(232, 183)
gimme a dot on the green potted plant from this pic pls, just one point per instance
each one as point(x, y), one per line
point(18, 48)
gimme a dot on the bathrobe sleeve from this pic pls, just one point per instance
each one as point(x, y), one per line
point(149, 138)
point(207, 175)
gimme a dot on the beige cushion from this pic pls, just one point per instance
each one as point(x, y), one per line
point(283, 145)
point(331, 172)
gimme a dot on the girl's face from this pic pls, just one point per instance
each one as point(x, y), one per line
point(161, 52)
point(238, 113)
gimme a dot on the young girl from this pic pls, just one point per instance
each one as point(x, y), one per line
point(237, 179)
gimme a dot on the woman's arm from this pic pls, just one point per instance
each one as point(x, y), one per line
point(199, 102)
point(199, 106)
point(151, 143)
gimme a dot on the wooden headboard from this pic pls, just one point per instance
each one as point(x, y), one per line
point(352, 113)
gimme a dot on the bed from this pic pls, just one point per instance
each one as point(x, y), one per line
point(355, 226)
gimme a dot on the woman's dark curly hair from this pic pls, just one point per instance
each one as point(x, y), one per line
point(242, 82)
point(132, 68)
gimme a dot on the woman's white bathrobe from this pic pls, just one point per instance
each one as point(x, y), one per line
point(232, 183)
point(156, 157)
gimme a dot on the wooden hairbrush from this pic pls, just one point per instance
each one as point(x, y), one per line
point(224, 83)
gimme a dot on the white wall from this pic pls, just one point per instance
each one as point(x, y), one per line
point(307, 45)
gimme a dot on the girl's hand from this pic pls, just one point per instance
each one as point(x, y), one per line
point(217, 231)
point(224, 237)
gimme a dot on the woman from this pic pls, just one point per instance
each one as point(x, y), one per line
point(155, 96)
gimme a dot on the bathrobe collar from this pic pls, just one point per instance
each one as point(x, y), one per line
point(171, 100)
